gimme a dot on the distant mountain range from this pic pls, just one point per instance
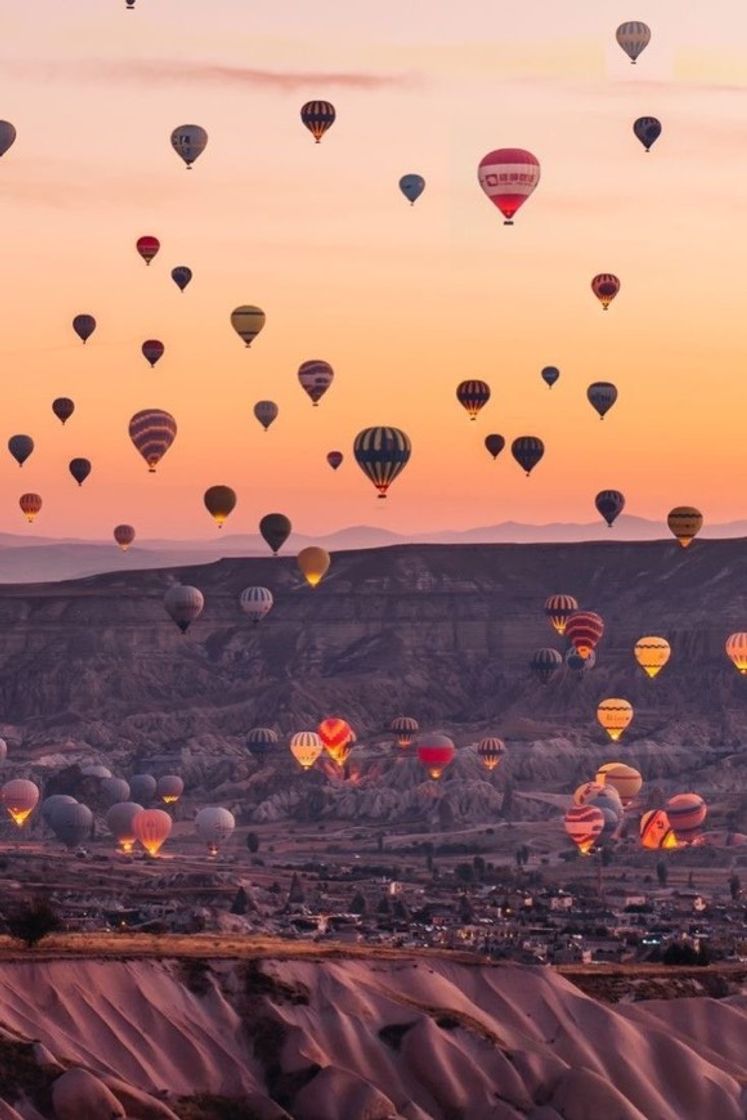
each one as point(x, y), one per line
point(43, 559)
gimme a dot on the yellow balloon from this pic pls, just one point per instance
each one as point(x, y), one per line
point(736, 649)
point(247, 321)
point(652, 654)
point(313, 563)
point(625, 779)
point(685, 522)
point(306, 746)
point(615, 715)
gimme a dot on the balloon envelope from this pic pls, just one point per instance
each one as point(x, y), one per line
point(182, 276)
point(256, 602)
point(63, 408)
point(214, 826)
point(31, 505)
point(315, 377)
point(335, 458)
point(436, 752)
point(275, 528)
point(152, 828)
point(266, 412)
point(72, 824)
point(152, 432)
point(610, 504)
point(550, 375)
point(685, 522)
point(473, 396)
point(220, 501)
point(120, 821)
point(169, 788)
point(495, 444)
point(313, 563)
point(583, 630)
point(527, 451)
point(558, 609)
point(189, 142)
point(306, 746)
point(652, 653)
point(615, 715)
point(124, 535)
point(647, 130)
point(247, 321)
point(20, 448)
point(147, 247)
point(153, 351)
point(184, 604)
point(143, 787)
point(7, 136)
point(508, 176)
point(405, 729)
point(412, 186)
point(633, 37)
point(318, 117)
point(602, 395)
point(84, 326)
point(382, 453)
point(19, 797)
point(736, 651)
point(80, 469)
point(605, 287)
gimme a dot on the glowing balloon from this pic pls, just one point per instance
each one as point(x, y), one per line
point(247, 321)
point(652, 654)
point(584, 825)
point(120, 822)
point(436, 752)
point(337, 738)
point(405, 729)
point(685, 522)
point(220, 501)
point(687, 813)
point(655, 831)
point(508, 176)
point(318, 117)
point(169, 788)
point(615, 715)
point(19, 798)
point(152, 828)
point(583, 630)
point(152, 431)
point(214, 825)
point(558, 609)
point(626, 780)
point(490, 751)
point(313, 564)
point(736, 651)
point(306, 746)
point(578, 664)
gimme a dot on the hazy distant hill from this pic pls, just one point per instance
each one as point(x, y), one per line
point(41, 559)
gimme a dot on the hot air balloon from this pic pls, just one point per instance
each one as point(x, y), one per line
point(182, 276)
point(316, 377)
point(608, 800)
point(647, 130)
point(20, 448)
point(625, 780)
point(256, 602)
point(527, 451)
point(337, 738)
point(436, 752)
point(736, 651)
point(130, 5)
point(412, 186)
point(587, 790)
point(605, 287)
point(583, 630)
point(72, 824)
point(313, 563)
point(84, 326)
point(220, 501)
point(114, 790)
point(633, 37)
point(558, 609)
point(601, 396)
point(266, 412)
point(577, 664)
point(7, 136)
point(615, 715)
point(508, 176)
point(79, 469)
point(169, 788)
point(148, 247)
point(405, 729)
point(584, 824)
point(687, 813)
point(318, 116)
point(50, 805)
point(120, 820)
point(306, 746)
point(490, 751)
point(153, 351)
point(143, 788)
point(685, 522)
point(189, 142)
point(63, 408)
point(30, 504)
point(152, 827)
point(382, 453)
point(247, 321)
point(610, 504)
point(19, 798)
point(261, 740)
point(472, 396)
point(335, 458)
point(275, 528)
point(214, 826)
point(652, 654)
point(495, 444)
point(184, 604)
point(124, 535)
point(550, 375)
point(655, 831)
point(545, 663)
point(152, 431)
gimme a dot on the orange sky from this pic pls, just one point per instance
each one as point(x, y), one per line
point(403, 302)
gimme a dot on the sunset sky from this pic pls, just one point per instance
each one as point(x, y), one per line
point(404, 302)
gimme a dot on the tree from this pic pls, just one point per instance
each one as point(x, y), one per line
point(240, 903)
point(296, 896)
point(465, 872)
point(252, 842)
point(32, 921)
point(358, 904)
point(735, 886)
point(479, 865)
point(662, 872)
point(380, 842)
